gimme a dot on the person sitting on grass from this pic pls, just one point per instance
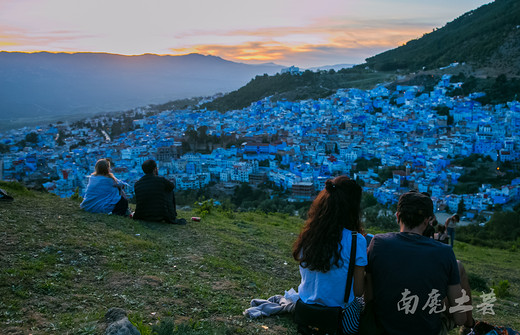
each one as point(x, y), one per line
point(104, 193)
point(416, 284)
point(441, 235)
point(323, 250)
point(154, 196)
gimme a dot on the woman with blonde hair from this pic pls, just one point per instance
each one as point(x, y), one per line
point(104, 193)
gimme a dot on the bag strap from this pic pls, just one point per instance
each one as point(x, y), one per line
point(351, 265)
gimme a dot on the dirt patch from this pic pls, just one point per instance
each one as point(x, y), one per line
point(223, 285)
point(8, 244)
point(152, 281)
point(118, 282)
point(34, 318)
point(12, 330)
point(194, 258)
point(205, 275)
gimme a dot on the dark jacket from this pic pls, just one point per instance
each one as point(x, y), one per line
point(154, 198)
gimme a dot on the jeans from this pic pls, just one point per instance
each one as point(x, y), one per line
point(451, 233)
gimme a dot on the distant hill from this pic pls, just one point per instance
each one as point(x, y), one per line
point(49, 84)
point(485, 37)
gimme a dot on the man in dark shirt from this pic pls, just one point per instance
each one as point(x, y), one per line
point(409, 275)
point(154, 196)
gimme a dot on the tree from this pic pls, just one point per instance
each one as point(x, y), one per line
point(3, 148)
point(461, 207)
point(505, 225)
point(363, 164)
point(31, 137)
point(264, 163)
point(368, 200)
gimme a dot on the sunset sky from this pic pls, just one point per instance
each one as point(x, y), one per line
point(304, 33)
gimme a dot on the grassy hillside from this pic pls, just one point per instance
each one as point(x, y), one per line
point(62, 269)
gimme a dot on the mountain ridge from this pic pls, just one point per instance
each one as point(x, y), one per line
point(49, 84)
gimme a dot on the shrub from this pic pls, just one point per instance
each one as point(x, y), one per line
point(142, 327)
point(165, 327)
point(501, 289)
point(76, 196)
point(477, 283)
point(203, 208)
point(14, 187)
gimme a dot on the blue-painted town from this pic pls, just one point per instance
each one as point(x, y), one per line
point(307, 142)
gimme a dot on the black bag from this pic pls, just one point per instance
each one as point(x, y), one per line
point(4, 196)
point(318, 319)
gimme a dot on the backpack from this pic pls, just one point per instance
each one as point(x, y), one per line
point(4, 196)
point(483, 328)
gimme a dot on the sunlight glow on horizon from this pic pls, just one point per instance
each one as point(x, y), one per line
point(288, 32)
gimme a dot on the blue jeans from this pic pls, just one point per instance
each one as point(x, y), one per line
point(451, 233)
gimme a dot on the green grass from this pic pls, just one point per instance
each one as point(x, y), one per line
point(63, 268)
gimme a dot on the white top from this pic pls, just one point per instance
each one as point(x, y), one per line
point(329, 288)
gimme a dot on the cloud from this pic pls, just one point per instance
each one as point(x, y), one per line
point(320, 41)
point(28, 41)
point(347, 41)
point(304, 55)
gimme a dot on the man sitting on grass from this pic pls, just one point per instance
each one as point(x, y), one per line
point(154, 196)
point(409, 276)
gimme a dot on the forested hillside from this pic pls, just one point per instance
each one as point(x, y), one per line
point(487, 36)
point(307, 85)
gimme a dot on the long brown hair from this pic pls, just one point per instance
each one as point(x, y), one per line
point(336, 207)
point(103, 169)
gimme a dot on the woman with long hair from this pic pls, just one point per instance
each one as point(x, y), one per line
point(104, 193)
point(324, 245)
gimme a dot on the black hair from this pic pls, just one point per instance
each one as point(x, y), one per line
point(336, 207)
point(149, 166)
point(414, 207)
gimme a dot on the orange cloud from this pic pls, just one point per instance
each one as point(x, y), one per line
point(354, 39)
point(30, 41)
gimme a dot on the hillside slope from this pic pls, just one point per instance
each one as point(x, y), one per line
point(485, 37)
point(62, 269)
point(308, 85)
